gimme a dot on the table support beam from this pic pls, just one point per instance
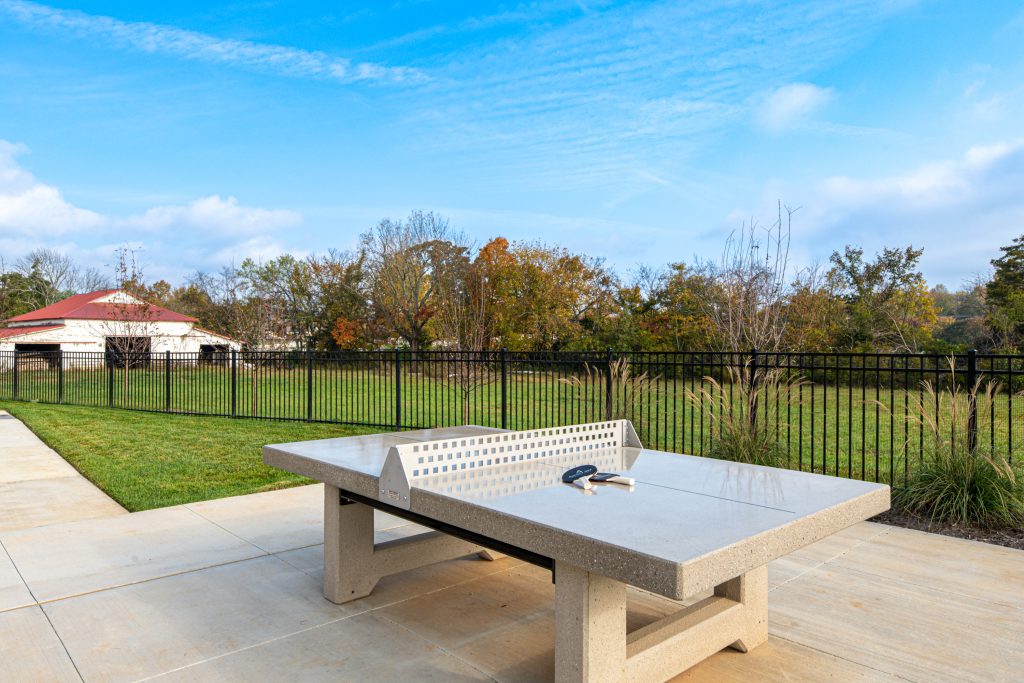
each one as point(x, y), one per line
point(353, 564)
point(591, 643)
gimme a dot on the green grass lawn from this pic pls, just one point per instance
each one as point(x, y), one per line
point(145, 460)
point(852, 431)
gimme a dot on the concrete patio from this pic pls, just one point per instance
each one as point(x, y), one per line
point(230, 590)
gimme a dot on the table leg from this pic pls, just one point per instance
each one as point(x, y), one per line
point(591, 642)
point(348, 548)
point(590, 626)
point(353, 564)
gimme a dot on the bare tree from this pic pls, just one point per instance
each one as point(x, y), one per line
point(750, 282)
point(462, 324)
point(400, 261)
point(49, 275)
point(130, 327)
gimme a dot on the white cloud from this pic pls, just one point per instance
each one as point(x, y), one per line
point(960, 211)
point(214, 213)
point(261, 248)
point(986, 178)
point(158, 39)
point(213, 230)
point(792, 105)
point(31, 208)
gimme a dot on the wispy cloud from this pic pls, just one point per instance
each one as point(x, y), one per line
point(191, 45)
point(792, 105)
point(628, 92)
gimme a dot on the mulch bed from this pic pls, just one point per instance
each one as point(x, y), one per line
point(1011, 538)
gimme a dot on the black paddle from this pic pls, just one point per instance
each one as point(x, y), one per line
point(579, 476)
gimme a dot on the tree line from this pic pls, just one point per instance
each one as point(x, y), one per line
point(421, 284)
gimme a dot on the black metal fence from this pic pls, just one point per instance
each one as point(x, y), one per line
point(867, 416)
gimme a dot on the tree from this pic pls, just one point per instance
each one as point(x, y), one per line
point(462, 324)
point(888, 305)
point(677, 318)
point(747, 302)
point(342, 317)
point(961, 319)
point(400, 261)
point(130, 327)
point(1004, 296)
point(49, 276)
point(814, 313)
point(543, 297)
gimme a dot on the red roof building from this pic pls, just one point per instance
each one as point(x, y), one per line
point(97, 320)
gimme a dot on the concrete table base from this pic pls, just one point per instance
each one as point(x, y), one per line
point(591, 642)
point(353, 564)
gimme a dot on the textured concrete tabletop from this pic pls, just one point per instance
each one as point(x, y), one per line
point(687, 524)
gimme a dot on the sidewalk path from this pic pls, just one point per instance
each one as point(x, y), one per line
point(39, 487)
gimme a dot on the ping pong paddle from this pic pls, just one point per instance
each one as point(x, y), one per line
point(580, 476)
point(612, 478)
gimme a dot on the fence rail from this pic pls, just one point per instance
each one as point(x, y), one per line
point(853, 415)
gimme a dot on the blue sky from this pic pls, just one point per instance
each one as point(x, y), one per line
point(639, 132)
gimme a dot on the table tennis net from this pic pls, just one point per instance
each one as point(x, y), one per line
point(491, 463)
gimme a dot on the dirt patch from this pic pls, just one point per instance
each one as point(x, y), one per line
point(1011, 538)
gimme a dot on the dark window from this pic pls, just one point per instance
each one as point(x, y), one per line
point(37, 356)
point(132, 352)
point(214, 354)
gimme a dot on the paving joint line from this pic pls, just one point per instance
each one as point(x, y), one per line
point(369, 610)
point(222, 528)
point(880, 532)
point(902, 677)
point(46, 616)
point(152, 578)
point(437, 646)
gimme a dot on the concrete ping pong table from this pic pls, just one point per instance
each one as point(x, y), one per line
point(688, 525)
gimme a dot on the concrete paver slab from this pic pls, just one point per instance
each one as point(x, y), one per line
point(148, 628)
point(349, 650)
point(38, 502)
point(33, 462)
point(13, 591)
point(781, 661)
point(278, 520)
point(345, 650)
point(38, 487)
point(30, 650)
point(994, 573)
point(820, 552)
point(912, 631)
point(78, 557)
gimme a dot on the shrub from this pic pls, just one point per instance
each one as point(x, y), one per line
point(959, 482)
point(735, 435)
point(628, 390)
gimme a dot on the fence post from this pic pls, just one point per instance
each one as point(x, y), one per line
point(504, 389)
point(60, 375)
point(309, 384)
point(167, 381)
point(752, 386)
point(972, 405)
point(234, 383)
point(608, 386)
point(110, 380)
point(15, 387)
point(398, 390)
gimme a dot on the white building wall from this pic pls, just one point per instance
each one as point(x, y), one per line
point(90, 335)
